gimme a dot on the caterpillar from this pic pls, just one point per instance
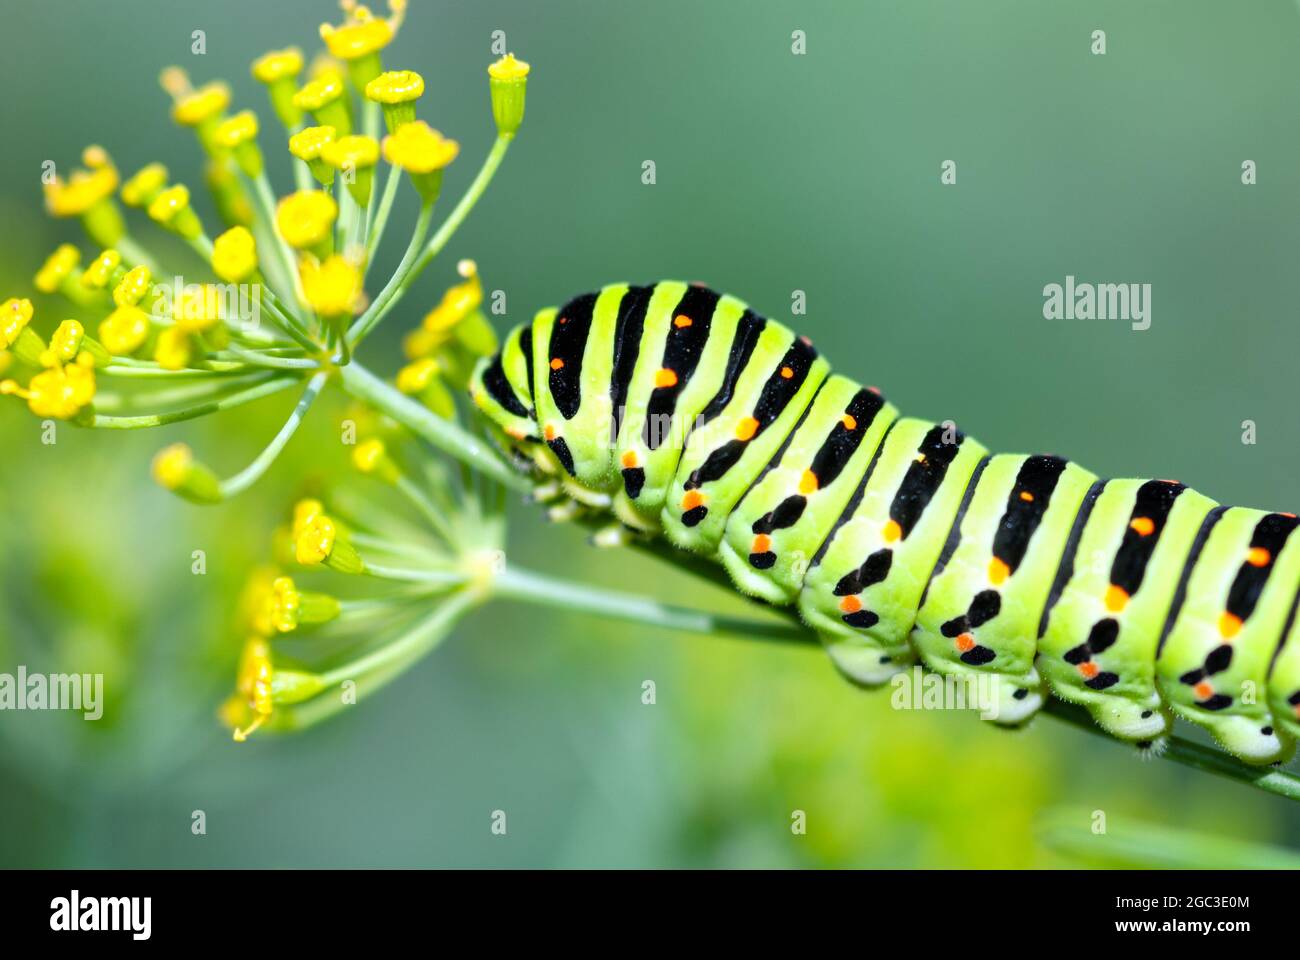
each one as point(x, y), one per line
point(686, 414)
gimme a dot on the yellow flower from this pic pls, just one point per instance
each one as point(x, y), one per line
point(423, 153)
point(308, 142)
point(314, 543)
point(323, 98)
point(356, 151)
point(305, 218)
point(148, 181)
point(60, 392)
point(192, 108)
point(277, 64)
point(397, 91)
point(57, 267)
point(175, 469)
point(173, 350)
point(307, 145)
point(508, 84)
point(199, 308)
point(15, 314)
point(65, 343)
point(100, 270)
point(369, 455)
point(395, 86)
point(85, 188)
point(238, 129)
point(363, 33)
point(124, 330)
point(332, 287)
point(171, 209)
point(458, 302)
point(304, 511)
point(285, 604)
point(355, 157)
point(234, 255)
point(415, 377)
point(253, 686)
point(131, 289)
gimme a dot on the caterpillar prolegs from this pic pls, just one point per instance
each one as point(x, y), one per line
point(687, 414)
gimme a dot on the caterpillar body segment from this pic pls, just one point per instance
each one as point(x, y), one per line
point(1212, 667)
point(686, 414)
point(1112, 596)
point(776, 530)
point(864, 587)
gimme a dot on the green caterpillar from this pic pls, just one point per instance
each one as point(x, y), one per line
point(686, 414)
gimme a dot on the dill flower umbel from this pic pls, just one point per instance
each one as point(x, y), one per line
point(281, 303)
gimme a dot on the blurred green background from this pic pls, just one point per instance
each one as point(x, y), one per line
point(775, 172)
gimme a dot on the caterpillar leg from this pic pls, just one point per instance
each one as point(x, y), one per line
point(1237, 599)
point(983, 606)
point(775, 531)
point(1111, 598)
point(865, 585)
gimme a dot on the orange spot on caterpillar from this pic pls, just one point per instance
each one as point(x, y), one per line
point(850, 604)
point(515, 433)
point(682, 320)
point(786, 373)
point(849, 422)
point(1258, 557)
point(808, 483)
point(1291, 515)
point(964, 642)
point(892, 531)
point(564, 320)
point(746, 429)
point(1204, 690)
point(998, 570)
point(762, 544)
point(692, 500)
point(1088, 670)
point(1116, 598)
point(557, 364)
point(920, 458)
point(549, 431)
point(665, 378)
point(1143, 526)
point(1229, 625)
point(875, 390)
point(1026, 496)
point(628, 459)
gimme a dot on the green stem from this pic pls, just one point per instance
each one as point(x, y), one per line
point(443, 434)
point(135, 254)
point(392, 290)
point(381, 218)
point(250, 474)
point(426, 508)
point(540, 588)
point(407, 575)
point(266, 206)
point(189, 413)
point(258, 359)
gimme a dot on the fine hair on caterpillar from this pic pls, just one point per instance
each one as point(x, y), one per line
point(903, 541)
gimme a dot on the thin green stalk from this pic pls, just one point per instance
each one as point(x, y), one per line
point(202, 245)
point(265, 204)
point(381, 218)
point(258, 359)
point(540, 588)
point(426, 508)
point(133, 253)
point(443, 434)
point(409, 575)
point(239, 398)
point(375, 312)
point(250, 474)
point(190, 390)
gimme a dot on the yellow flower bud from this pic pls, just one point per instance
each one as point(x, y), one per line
point(234, 255)
point(423, 153)
point(323, 98)
point(88, 194)
point(100, 270)
point(304, 511)
point(174, 349)
point(15, 314)
point(239, 135)
point(372, 457)
point(305, 218)
point(397, 91)
point(197, 106)
point(171, 209)
point(307, 145)
point(279, 70)
point(57, 267)
point(124, 330)
point(60, 392)
point(175, 469)
point(331, 286)
point(65, 343)
point(131, 289)
point(355, 157)
point(508, 84)
point(147, 183)
point(315, 541)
